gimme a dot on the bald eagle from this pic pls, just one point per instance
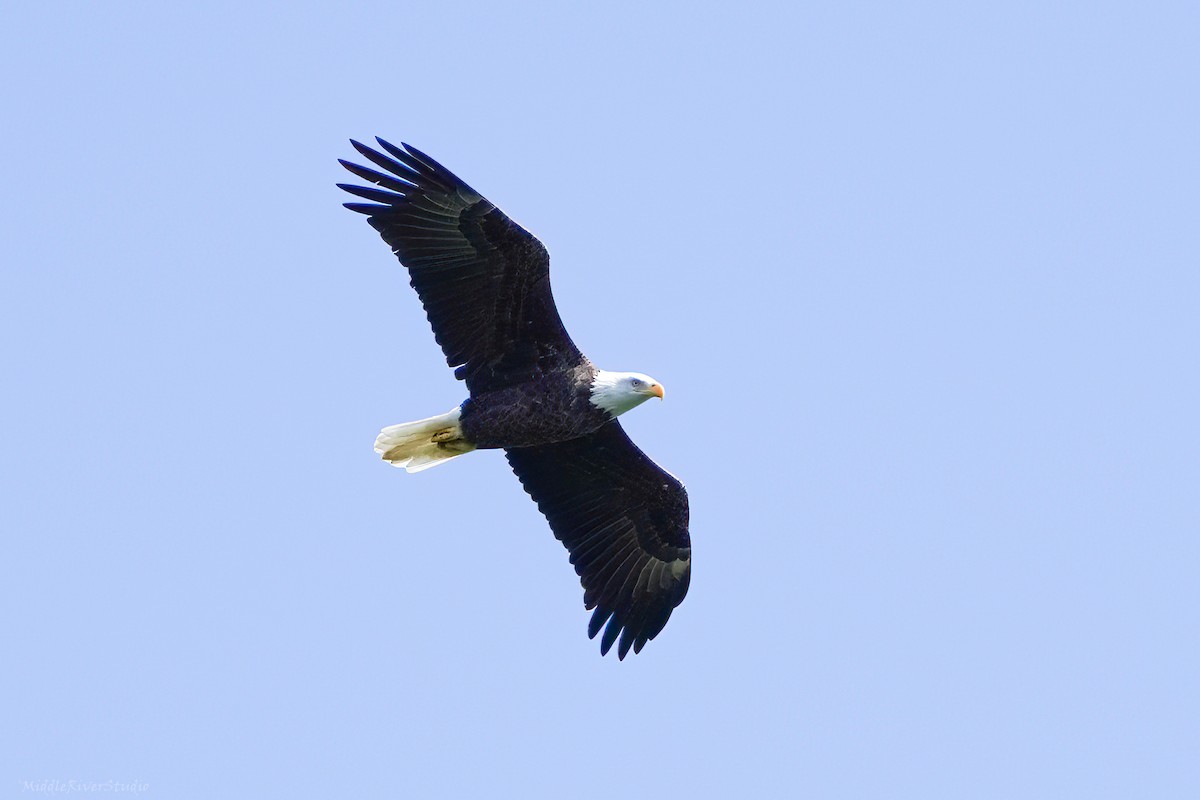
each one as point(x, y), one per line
point(485, 284)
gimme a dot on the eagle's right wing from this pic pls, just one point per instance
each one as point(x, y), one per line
point(483, 279)
point(624, 520)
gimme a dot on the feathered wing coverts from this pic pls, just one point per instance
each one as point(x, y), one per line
point(625, 522)
point(483, 279)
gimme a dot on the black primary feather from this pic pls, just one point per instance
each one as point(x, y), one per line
point(484, 280)
point(624, 520)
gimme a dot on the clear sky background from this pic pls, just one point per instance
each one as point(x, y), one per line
point(923, 284)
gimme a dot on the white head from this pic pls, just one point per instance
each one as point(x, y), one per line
point(617, 392)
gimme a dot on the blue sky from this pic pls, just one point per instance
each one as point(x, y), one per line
point(921, 281)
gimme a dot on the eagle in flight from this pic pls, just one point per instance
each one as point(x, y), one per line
point(485, 284)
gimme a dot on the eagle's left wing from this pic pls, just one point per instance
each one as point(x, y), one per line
point(625, 522)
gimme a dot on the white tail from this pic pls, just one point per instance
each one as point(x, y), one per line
point(423, 444)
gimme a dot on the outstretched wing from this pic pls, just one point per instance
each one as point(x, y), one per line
point(624, 520)
point(483, 279)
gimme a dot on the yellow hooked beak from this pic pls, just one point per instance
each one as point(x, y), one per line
point(657, 391)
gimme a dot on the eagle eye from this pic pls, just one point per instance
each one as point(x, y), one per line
point(635, 383)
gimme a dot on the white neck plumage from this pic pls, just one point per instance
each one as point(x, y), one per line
point(617, 392)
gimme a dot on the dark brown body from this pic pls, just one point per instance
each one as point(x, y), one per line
point(552, 407)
